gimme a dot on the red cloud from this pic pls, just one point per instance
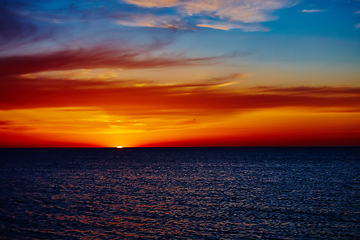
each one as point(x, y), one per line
point(207, 97)
point(99, 57)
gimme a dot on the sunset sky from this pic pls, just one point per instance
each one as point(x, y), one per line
point(145, 73)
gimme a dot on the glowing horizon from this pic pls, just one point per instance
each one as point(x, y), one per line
point(179, 73)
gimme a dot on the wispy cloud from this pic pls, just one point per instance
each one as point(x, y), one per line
point(357, 12)
point(16, 29)
point(223, 25)
point(208, 97)
point(357, 26)
point(150, 20)
point(232, 11)
point(238, 10)
point(130, 57)
point(312, 10)
point(11, 125)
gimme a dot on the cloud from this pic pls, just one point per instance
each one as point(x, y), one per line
point(6, 123)
point(35, 23)
point(312, 10)
point(16, 29)
point(357, 12)
point(129, 56)
point(11, 125)
point(154, 3)
point(357, 26)
point(311, 90)
point(237, 10)
point(228, 26)
point(208, 97)
point(20, 138)
point(150, 20)
point(232, 11)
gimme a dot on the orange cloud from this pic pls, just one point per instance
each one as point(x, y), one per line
point(149, 20)
point(266, 140)
point(205, 97)
point(28, 140)
point(227, 26)
point(238, 10)
point(230, 14)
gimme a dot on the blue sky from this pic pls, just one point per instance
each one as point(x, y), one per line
point(324, 33)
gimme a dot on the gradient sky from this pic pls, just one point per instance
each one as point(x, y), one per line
point(179, 73)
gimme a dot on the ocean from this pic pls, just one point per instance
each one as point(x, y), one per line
point(180, 193)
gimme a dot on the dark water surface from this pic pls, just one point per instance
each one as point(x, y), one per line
point(180, 193)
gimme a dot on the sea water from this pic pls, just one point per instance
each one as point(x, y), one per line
point(180, 193)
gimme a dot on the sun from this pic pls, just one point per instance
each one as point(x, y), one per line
point(119, 147)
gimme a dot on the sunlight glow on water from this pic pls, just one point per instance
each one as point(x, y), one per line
point(180, 193)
